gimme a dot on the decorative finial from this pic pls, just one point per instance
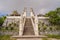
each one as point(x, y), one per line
point(24, 9)
point(31, 9)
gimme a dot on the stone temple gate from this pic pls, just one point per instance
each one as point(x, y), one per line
point(27, 25)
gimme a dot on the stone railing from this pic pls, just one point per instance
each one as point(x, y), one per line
point(33, 24)
point(24, 19)
point(33, 20)
point(21, 25)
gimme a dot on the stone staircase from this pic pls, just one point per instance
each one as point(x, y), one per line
point(28, 32)
point(28, 27)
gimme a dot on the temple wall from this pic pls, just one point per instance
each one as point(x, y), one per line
point(44, 20)
point(11, 19)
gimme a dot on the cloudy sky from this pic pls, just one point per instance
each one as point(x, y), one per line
point(39, 6)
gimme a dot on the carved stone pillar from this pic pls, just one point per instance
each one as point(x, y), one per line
point(32, 13)
point(24, 12)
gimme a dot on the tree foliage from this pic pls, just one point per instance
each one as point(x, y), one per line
point(54, 16)
point(2, 20)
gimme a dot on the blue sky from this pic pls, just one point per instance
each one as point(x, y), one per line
point(39, 6)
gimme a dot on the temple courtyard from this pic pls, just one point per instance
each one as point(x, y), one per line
point(32, 27)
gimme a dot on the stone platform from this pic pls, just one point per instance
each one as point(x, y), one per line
point(29, 37)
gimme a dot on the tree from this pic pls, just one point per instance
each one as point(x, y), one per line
point(2, 20)
point(54, 16)
point(58, 10)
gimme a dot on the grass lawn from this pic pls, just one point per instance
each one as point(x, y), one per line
point(6, 37)
point(54, 36)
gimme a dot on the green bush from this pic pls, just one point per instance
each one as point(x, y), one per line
point(3, 28)
point(6, 28)
point(0, 28)
point(51, 28)
point(11, 28)
point(54, 36)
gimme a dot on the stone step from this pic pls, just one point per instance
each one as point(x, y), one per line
point(29, 37)
point(28, 27)
point(33, 37)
